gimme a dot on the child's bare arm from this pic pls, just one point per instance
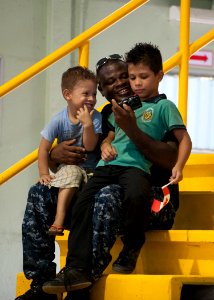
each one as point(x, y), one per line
point(107, 151)
point(43, 159)
point(90, 138)
point(184, 150)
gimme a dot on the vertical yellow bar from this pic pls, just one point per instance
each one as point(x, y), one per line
point(84, 54)
point(184, 64)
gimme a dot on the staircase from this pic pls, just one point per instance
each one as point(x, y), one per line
point(169, 259)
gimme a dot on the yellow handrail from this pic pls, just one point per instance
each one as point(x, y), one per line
point(77, 42)
point(202, 41)
point(180, 58)
point(174, 60)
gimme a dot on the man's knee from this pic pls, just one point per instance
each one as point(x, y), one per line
point(38, 189)
point(109, 194)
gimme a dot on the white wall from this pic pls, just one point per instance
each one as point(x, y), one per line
point(23, 42)
point(30, 30)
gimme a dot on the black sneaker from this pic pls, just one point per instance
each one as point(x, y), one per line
point(36, 293)
point(126, 261)
point(67, 280)
point(83, 294)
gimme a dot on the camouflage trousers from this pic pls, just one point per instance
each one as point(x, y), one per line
point(107, 225)
point(39, 247)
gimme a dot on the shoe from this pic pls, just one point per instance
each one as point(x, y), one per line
point(126, 261)
point(36, 293)
point(67, 280)
point(78, 295)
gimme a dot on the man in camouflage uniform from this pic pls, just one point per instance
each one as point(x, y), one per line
point(38, 247)
point(81, 266)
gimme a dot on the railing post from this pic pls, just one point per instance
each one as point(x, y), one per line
point(84, 54)
point(184, 63)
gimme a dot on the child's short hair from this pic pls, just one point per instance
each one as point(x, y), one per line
point(74, 75)
point(147, 54)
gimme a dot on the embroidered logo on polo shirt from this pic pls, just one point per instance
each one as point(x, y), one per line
point(147, 115)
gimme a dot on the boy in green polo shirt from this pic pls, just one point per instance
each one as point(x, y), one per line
point(158, 117)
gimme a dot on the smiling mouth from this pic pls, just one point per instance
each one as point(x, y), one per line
point(124, 91)
point(89, 106)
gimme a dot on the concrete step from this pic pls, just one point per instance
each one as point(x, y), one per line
point(134, 286)
point(196, 210)
point(145, 287)
point(167, 261)
point(177, 252)
point(198, 173)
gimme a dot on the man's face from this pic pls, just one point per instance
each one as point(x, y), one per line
point(114, 81)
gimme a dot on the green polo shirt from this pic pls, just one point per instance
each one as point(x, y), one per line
point(156, 118)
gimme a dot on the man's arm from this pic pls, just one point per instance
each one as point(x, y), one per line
point(66, 153)
point(159, 153)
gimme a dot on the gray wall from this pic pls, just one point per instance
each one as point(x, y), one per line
point(31, 29)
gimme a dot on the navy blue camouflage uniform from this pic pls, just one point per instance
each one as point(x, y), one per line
point(39, 247)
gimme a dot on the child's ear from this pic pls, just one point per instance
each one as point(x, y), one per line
point(66, 94)
point(160, 75)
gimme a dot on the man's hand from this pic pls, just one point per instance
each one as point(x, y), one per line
point(124, 117)
point(66, 153)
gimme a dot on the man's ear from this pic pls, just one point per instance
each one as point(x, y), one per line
point(100, 89)
point(66, 94)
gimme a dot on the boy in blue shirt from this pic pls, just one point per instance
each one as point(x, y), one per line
point(79, 121)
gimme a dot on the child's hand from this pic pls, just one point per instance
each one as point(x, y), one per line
point(108, 152)
point(176, 175)
point(84, 116)
point(45, 179)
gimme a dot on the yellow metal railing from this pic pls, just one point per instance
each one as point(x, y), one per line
point(181, 59)
point(81, 42)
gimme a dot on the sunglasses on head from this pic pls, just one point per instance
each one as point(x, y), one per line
point(104, 60)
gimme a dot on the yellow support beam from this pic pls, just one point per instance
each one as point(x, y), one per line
point(84, 55)
point(184, 63)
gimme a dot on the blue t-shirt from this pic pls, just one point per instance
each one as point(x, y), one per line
point(61, 128)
